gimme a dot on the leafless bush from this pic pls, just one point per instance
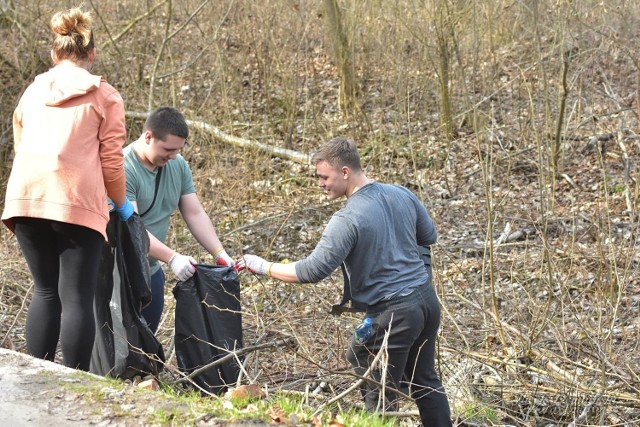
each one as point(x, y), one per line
point(535, 193)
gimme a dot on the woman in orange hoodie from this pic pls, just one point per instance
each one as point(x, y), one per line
point(69, 129)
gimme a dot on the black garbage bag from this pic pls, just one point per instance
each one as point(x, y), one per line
point(124, 345)
point(209, 325)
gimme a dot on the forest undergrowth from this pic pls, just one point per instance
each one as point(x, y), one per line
point(515, 122)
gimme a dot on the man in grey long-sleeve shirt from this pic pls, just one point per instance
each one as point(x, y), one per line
point(377, 237)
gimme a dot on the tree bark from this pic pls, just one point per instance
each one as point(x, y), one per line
point(344, 59)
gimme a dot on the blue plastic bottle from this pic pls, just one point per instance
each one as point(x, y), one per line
point(363, 332)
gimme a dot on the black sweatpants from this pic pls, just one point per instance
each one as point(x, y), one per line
point(413, 322)
point(64, 260)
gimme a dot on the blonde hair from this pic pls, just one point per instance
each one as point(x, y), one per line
point(73, 37)
point(338, 152)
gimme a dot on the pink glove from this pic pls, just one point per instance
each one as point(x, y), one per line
point(182, 266)
point(222, 258)
point(254, 264)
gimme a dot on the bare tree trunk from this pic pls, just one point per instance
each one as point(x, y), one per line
point(348, 85)
point(442, 25)
point(561, 111)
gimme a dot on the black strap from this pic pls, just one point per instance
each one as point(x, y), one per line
point(155, 192)
point(354, 307)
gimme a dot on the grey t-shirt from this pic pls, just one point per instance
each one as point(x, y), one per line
point(176, 180)
point(376, 235)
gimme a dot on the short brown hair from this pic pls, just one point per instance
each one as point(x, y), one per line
point(338, 152)
point(165, 121)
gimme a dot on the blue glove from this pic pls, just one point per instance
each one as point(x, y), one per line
point(125, 211)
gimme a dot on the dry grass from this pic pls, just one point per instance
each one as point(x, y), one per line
point(536, 330)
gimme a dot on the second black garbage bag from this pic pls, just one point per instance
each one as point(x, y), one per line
point(209, 326)
point(124, 346)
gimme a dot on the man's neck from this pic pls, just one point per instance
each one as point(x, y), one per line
point(359, 181)
point(139, 146)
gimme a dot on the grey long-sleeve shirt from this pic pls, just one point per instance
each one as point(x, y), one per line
point(376, 235)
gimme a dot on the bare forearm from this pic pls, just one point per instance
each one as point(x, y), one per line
point(204, 232)
point(159, 250)
point(284, 272)
point(199, 223)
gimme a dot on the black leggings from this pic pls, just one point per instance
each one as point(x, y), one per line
point(64, 260)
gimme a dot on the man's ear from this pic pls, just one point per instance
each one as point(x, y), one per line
point(147, 136)
point(346, 172)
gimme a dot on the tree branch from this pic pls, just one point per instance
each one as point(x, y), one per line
point(237, 141)
point(236, 353)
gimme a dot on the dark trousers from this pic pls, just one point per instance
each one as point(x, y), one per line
point(153, 312)
point(412, 322)
point(64, 260)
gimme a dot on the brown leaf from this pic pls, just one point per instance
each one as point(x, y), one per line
point(249, 391)
point(278, 415)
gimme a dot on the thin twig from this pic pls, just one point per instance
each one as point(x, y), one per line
point(156, 64)
point(237, 353)
point(15, 319)
point(356, 384)
point(130, 25)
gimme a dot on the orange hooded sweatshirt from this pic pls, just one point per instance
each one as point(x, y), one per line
point(68, 129)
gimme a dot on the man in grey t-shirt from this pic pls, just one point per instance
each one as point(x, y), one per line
point(378, 238)
point(159, 181)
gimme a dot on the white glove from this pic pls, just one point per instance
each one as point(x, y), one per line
point(182, 266)
point(254, 264)
point(222, 258)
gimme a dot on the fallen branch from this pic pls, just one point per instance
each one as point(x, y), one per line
point(234, 354)
point(237, 141)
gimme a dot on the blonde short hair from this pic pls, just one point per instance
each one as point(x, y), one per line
point(338, 152)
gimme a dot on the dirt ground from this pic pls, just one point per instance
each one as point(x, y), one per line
point(40, 393)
